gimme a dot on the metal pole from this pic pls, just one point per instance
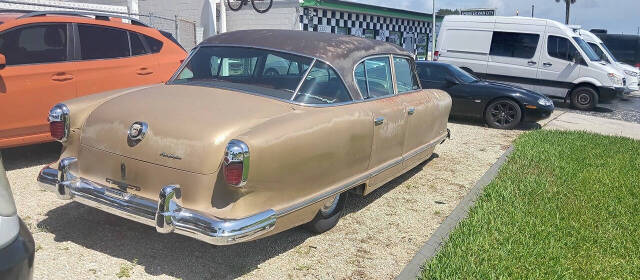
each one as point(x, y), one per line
point(176, 27)
point(433, 32)
point(533, 8)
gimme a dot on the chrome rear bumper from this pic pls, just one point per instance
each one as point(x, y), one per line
point(166, 214)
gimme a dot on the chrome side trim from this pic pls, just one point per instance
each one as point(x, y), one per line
point(166, 214)
point(361, 179)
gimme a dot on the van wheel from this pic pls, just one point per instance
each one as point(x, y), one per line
point(584, 98)
point(503, 114)
point(328, 215)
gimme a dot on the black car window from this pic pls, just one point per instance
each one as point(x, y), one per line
point(561, 48)
point(137, 48)
point(511, 44)
point(462, 75)
point(322, 86)
point(432, 72)
point(405, 75)
point(42, 43)
point(155, 45)
point(98, 42)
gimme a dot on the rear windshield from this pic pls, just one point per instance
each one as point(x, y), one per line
point(265, 72)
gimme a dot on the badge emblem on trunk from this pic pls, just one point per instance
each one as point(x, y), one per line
point(136, 132)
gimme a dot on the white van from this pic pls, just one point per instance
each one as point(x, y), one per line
point(538, 54)
point(631, 73)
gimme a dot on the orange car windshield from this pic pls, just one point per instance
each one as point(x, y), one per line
point(269, 72)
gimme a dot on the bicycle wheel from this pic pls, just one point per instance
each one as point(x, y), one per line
point(235, 5)
point(261, 6)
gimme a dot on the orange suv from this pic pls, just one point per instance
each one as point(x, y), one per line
point(48, 57)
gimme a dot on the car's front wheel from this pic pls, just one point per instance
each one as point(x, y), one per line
point(328, 215)
point(503, 114)
point(584, 98)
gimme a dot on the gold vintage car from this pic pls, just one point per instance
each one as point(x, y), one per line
point(226, 152)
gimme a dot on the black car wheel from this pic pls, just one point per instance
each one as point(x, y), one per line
point(328, 215)
point(503, 114)
point(584, 98)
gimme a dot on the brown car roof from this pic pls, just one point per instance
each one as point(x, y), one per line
point(340, 51)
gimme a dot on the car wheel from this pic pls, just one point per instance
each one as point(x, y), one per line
point(503, 114)
point(328, 215)
point(584, 98)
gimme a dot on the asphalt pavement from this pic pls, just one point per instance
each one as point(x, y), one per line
point(624, 109)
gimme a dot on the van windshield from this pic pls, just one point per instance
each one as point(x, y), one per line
point(604, 47)
point(587, 50)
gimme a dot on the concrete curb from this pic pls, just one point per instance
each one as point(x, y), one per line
point(413, 269)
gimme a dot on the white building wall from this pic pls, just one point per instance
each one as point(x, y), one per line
point(283, 15)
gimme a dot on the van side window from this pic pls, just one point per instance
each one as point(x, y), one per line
point(42, 43)
point(598, 52)
point(511, 44)
point(97, 42)
point(405, 75)
point(561, 48)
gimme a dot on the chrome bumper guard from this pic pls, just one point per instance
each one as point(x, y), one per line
point(166, 214)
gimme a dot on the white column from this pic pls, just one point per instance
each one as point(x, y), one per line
point(132, 6)
point(223, 17)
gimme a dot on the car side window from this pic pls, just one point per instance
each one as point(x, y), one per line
point(512, 44)
point(561, 48)
point(322, 86)
point(137, 47)
point(405, 75)
point(97, 42)
point(155, 45)
point(42, 43)
point(373, 77)
point(432, 73)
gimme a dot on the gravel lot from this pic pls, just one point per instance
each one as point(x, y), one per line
point(379, 234)
point(624, 109)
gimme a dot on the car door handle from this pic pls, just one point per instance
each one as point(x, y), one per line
point(378, 121)
point(546, 64)
point(411, 111)
point(144, 71)
point(61, 77)
point(532, 63)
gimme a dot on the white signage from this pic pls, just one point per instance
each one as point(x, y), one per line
point(324, 28)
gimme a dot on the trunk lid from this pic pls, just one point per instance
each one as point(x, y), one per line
point(188, 126)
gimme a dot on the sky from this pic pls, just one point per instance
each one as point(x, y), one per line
point(617, 16)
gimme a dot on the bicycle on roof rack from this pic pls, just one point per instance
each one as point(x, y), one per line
point(260, 6)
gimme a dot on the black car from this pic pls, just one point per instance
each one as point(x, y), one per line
point(501, 105)
point(16, 242)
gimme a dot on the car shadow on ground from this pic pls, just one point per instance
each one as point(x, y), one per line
point(32, 155)
point(176, 255)
point(567, 106)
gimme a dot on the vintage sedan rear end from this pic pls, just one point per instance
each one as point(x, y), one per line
point(229, 151)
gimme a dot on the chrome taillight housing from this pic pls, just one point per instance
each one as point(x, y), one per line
point(235, 166)
point(59, 122)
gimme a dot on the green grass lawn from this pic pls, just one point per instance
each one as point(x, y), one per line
point(566, 205)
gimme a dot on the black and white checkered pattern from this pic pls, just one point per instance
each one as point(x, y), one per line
point(313, 18)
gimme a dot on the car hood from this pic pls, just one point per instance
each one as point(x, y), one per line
point(507, 88)
point(188, 126)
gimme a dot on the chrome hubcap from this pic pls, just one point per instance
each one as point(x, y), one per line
point(330, 205)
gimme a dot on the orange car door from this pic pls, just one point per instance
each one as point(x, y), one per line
point(106, 60)
point(37, 75)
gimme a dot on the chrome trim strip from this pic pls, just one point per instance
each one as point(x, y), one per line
point(166, 214)
point(361, 179)
point(304, 77)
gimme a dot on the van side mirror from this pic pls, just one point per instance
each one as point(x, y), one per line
point(3, 61)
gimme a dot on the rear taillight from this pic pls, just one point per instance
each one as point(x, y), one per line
point(235, 167)
point(436, 54)
point(59, 122)
point(57, 130)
